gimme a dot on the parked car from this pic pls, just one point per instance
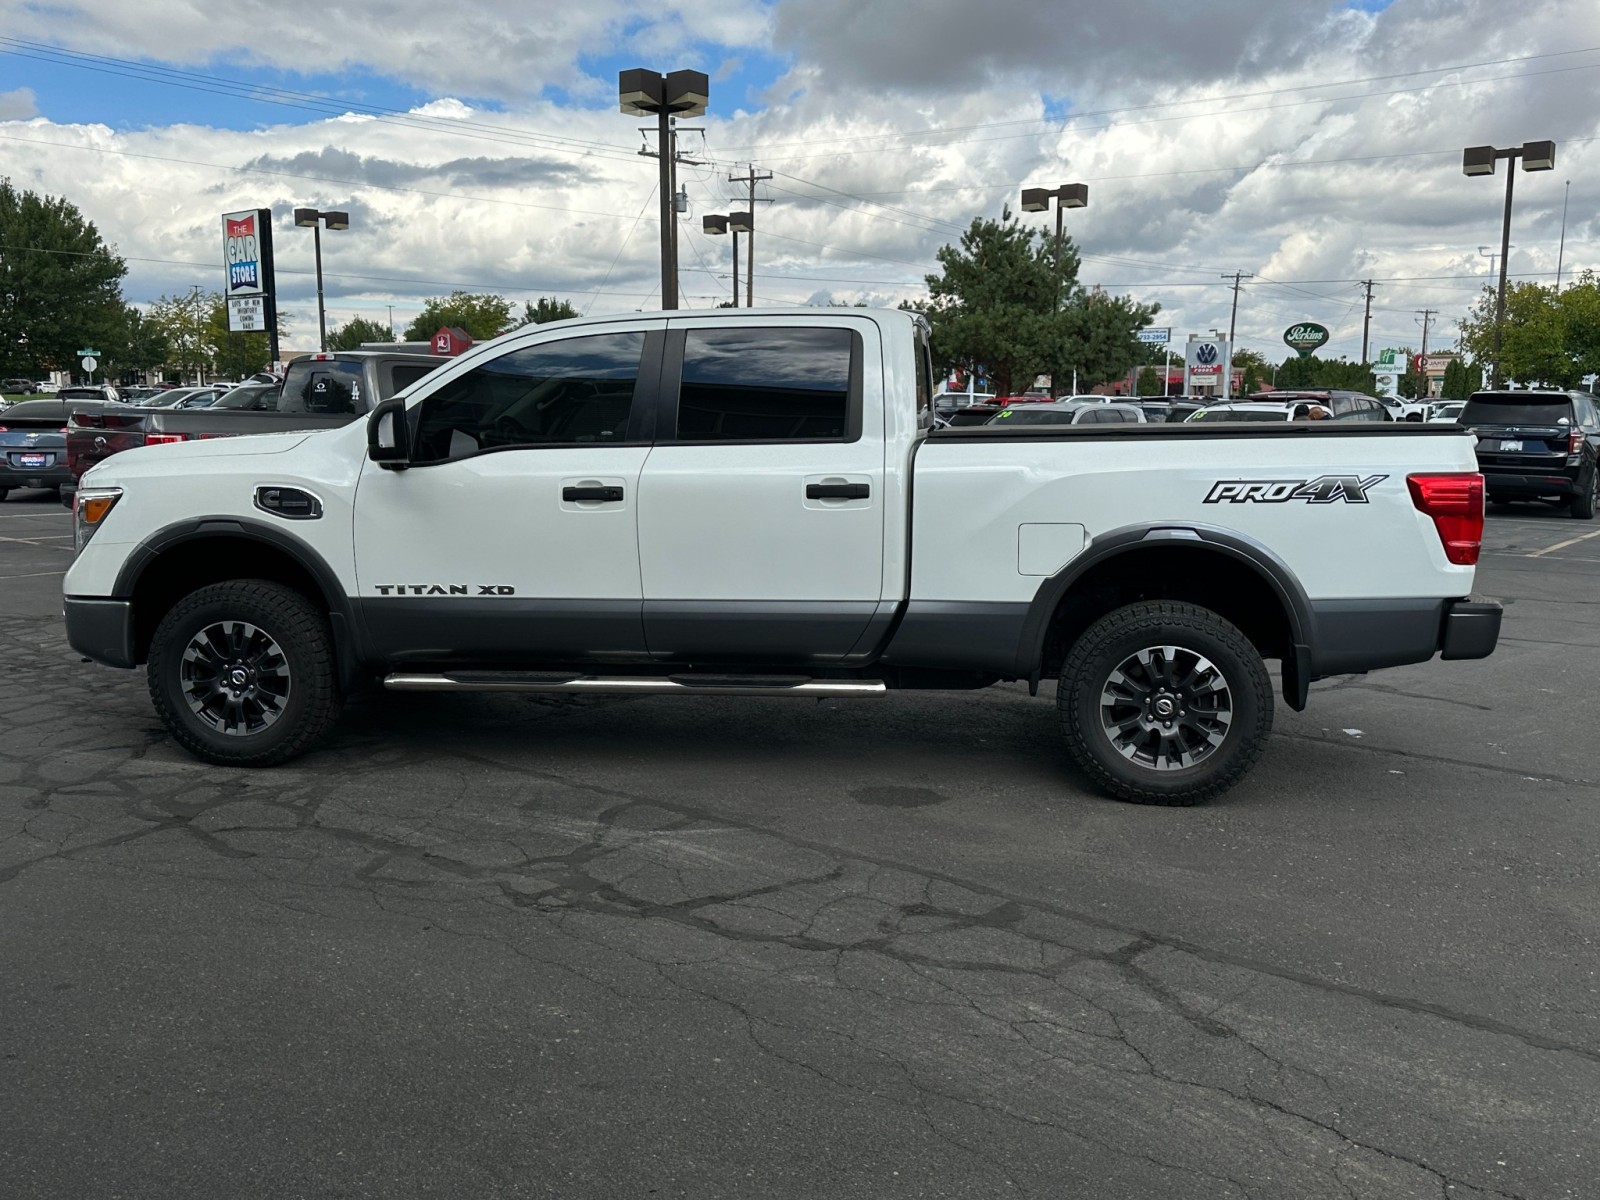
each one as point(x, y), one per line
point(16, 387)
point(248, 397)
point(185, 397)
point(320, 391)
point(1182, 410)
point(93, 391)
point(46, 388)
point(1345, 405)
point(1070, 412)
point(1537, 445)
point(1445, 411)
point(1404, 410)
point(1258, 410)
point(750, 503)
point(33, 445)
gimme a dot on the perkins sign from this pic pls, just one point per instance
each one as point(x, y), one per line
point(1305, 337)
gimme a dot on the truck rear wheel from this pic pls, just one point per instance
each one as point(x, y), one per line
point(242, 673)
point(1165, 703)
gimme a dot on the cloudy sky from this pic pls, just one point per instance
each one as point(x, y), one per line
point(479, 145)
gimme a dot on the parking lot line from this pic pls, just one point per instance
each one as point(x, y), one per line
point(33, 575)
point(1563, 545)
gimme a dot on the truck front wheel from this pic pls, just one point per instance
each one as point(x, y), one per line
point(1165, 703)
point(242, 673)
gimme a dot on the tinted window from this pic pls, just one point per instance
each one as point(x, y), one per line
point(1024, 416)
point(405, 374)
point(249, 396)
point(328, 387)
point(573, 392)
point(766, 385)
point(1511, 409)
point(973, 416)
point(1241, 414)
point(924, 377)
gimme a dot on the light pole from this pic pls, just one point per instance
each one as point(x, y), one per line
point(1480, 160)
point(1491, 254)
point(681, 94)
point(314, 218)
point(1068, 195)
point(734, 223)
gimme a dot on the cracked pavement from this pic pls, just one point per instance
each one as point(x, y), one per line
point(499, 946)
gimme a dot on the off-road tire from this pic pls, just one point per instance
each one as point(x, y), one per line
point(297, 627)
point(1107, 645)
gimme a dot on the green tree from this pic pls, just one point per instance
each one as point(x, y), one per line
point(546, 309)
point(1253, 367)
point(237, 355)
point(1454, 385)
point(482, 316)
point(1539, 344)
point(59, 284)
point(140, 344)
point(1150, 382)
point(1314, 372)
point(1000, 307)
point(185, 322)
point(357, 330)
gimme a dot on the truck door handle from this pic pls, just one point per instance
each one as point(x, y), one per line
point(838, 491)
point(610, 494)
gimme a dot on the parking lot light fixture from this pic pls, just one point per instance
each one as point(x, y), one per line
point(642, 92)
point(1480, 160)
point(718, 224)
point(1068, 195)
point(314, 219)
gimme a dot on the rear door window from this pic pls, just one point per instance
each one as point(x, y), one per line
point(1511, 409)
point(770, 385)
point(326, 387)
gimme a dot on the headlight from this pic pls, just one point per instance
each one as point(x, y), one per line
point(90, 508)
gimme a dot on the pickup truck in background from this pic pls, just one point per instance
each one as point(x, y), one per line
point(752, 503)
point(319, 391)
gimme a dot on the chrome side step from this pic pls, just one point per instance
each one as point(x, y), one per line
point(625, 685)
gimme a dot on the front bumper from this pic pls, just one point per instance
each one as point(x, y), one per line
point(102, 630)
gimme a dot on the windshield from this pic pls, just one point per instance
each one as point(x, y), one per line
point(1514, 410)
point(251, 395)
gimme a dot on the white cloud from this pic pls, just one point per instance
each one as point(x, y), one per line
point(1306, 150)
point(17, 104)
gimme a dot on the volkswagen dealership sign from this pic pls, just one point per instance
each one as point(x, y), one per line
point(1204, 362)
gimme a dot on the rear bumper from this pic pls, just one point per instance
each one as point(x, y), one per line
point(101, 630)
point(1354, 636)
point(1557, 481)
point(52, 476)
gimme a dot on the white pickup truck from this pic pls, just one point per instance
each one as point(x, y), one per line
point(752, 503)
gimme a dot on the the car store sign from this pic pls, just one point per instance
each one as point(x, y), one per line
point(247, 260)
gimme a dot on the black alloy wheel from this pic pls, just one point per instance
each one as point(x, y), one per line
point(1165, 703)
point(242, 673)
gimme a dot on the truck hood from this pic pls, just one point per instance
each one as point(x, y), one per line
point(145, 462)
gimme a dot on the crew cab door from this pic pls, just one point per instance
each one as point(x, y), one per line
point(512, 536)
point(761, 512)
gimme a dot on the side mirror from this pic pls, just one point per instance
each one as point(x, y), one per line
point(388, 435)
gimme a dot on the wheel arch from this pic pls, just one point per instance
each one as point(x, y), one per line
point(175, 560)
point(1229, 573)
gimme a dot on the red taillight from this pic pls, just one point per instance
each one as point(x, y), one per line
point(162, 439)
point(1455, 502)
point(1575, 442)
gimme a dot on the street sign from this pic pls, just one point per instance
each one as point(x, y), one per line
point(89, 362)
point(1156, 337)
point(88, 352)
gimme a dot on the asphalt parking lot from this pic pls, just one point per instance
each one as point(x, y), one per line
point(506, 947)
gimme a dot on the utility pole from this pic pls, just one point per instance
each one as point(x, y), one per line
point(750, 178)
point(1366, 322)
point(1233, 315)
point(1426, 313)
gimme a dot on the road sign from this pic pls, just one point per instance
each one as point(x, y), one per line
point(1156, 337)
point(89, 362)
point(88, 352)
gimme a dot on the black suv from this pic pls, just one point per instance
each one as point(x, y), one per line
point(1537, 445)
